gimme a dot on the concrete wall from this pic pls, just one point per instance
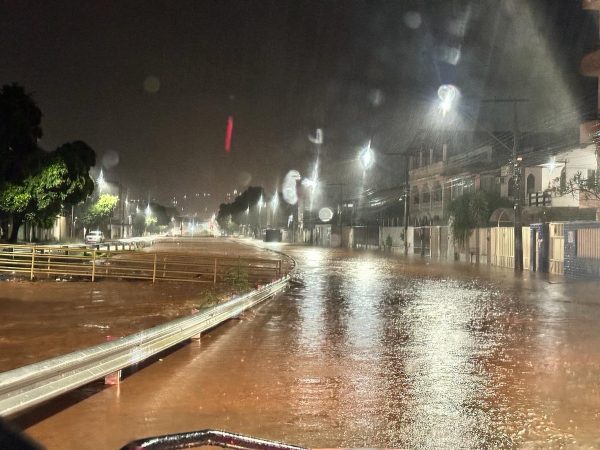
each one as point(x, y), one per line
point(397, 235)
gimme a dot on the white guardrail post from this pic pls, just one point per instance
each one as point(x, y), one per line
point(31, 385)
point(32, 262)
point(93, 264)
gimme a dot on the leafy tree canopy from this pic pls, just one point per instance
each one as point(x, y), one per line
point(472, 210)
point(61, 178)
point(20, 129)
point(101, 210)
point(34, 184)
point(582, 184)
point(236, 210)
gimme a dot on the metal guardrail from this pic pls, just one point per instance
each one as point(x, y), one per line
point(31, 385)
point(44, 261)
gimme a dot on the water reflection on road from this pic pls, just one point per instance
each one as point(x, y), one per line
point(365, 350)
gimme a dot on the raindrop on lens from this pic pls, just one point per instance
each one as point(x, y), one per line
point(412, 19)
point(151, 84)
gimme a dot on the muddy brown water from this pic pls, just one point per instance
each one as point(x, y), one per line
point(51, 317)
point(370, 351)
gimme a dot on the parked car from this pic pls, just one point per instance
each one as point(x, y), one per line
point(94, 237)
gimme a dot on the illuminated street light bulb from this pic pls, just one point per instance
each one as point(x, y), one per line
point(367, 157)
point(447, 94)
point(101, 181)
point(275, 201)
point(260, 203)
point(248, 210)
point(148, 210)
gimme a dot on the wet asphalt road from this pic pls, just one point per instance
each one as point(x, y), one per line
point(370, 351)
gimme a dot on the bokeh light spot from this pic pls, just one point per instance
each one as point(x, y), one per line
point(151, 84)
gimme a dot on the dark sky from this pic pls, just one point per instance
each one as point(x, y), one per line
point(357, 69)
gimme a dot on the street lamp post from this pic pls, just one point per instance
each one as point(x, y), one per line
point(247, 219)
point(147, 213)
point(406, 195)
point(366, 156)
point(274, 204)
point(260, 205)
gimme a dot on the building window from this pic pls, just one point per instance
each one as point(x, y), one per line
point(530, 183)
point(416, 196)
point(425, 195)
point(437, 192)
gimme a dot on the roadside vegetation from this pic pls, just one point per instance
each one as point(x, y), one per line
point(35, 184)
point(473, 210)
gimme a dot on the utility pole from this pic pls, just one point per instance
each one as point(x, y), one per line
point(340, 206)
point(406, 157)
point(406, 201)
point(317, 139)
point(517, 174)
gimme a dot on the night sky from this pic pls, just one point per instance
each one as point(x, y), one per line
point(152, 83)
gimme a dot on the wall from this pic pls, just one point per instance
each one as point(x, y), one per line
point(396, 233)
point(582, 249)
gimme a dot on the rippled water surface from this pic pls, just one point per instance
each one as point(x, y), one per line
point(365, 350)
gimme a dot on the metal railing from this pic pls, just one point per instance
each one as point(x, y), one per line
point(540, 198)
point(31, 385)
point(45, 261)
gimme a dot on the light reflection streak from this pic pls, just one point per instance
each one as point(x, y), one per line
point(441, 379)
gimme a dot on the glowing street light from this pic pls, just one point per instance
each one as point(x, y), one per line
point(148, 210)
point(101, 182)
point(367, 157)
point(447, 94)
point(275, 201)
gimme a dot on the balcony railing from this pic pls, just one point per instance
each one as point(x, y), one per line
point(540, 199)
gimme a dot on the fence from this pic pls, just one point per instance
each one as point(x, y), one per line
point(556, 249)
point(588, 243)
point(582, 250)
point(544, 246)
point(503, 246)
point(40, 261)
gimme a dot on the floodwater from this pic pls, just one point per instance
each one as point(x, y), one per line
point(52, 317)
point(372, 351)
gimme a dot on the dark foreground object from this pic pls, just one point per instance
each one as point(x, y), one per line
point(11, 438)
point(207, 437)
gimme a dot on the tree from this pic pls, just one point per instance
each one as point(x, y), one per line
point(239, 210)
point(151, 223)
point(61, 178)
point(99, 212)
point(20, 129)
point(582, 184)
point(472, 210)
point(34, 184)
point(139, 224)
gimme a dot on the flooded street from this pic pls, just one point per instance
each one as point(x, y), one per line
point(371, 351)
point(52, 317)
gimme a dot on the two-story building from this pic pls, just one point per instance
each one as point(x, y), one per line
point(443, 165)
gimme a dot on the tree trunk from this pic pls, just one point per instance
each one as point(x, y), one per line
point(17, 221)
point(4, 223)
